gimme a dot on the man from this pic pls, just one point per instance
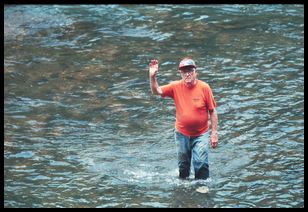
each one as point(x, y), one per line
point(193, 100)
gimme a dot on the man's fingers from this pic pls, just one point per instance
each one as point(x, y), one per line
point(214, 144)
point(154, 62)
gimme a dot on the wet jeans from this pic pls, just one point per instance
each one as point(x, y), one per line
point(195, 148)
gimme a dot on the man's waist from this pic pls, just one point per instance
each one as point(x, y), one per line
point(191, 133)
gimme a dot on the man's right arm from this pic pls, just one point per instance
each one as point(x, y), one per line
point(153, 69)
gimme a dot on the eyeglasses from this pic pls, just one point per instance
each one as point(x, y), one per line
point(188, 70)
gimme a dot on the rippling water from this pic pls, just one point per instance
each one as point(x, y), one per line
point(81, 126)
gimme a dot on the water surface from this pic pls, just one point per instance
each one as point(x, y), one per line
point(81, 128)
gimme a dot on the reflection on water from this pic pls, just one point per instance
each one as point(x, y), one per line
point(81, 126)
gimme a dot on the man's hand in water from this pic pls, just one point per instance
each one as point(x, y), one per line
point(153, 68)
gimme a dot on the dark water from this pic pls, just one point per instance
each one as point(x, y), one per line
point(81, 126)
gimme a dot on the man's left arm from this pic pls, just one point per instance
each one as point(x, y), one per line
point(214, 122)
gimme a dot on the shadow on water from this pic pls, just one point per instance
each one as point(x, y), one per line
point(81, 128)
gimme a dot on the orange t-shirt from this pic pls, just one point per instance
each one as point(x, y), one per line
point(192, 106)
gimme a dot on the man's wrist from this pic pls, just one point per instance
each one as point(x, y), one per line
point(153, 77)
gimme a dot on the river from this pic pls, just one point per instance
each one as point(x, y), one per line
point(81, 128)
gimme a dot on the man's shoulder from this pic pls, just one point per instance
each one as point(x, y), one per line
point(171, 85)
point(203, 84)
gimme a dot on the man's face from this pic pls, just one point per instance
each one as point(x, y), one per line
point(189, 74)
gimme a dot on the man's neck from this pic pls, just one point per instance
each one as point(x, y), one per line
point(190, 85)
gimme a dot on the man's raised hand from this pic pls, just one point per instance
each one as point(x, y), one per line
point(153, 68)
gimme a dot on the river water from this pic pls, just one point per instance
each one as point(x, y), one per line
point(81, 128)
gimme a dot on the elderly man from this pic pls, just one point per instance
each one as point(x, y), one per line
point(193, 100)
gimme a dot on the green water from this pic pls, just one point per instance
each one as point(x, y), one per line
point(81, 128)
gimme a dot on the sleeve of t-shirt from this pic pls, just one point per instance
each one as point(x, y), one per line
point(211, 103)
point(167, 90)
